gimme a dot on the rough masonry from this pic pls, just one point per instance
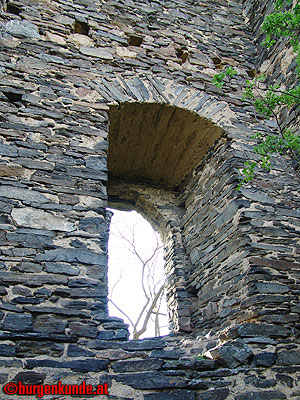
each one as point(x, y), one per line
point(112, 103)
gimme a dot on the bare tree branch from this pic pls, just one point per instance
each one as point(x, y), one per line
point(143, 330)
point(152, 285)
point(121, 311)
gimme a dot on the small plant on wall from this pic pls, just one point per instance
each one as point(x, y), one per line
point(270, 98)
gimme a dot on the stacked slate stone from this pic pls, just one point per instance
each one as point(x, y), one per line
point(69, 73)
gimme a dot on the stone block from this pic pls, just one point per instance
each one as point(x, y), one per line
point(30, 378)
point(144, 344)
point(82, 329)
point(172, 395)
point(39, 219)
point(9, 151)
point(261, 395)
point(72, 256)
point(3, 378)
point(253, 330)
point(17, 323)
point(33, 348)
point(231, 354)
point(214, 394)
point(288, 357)
point(166, 354)
point(151, 380)
point(96, 52)
point(137, 365)
point(49, 324)
point(7, 350)
point(60, 268)
point(25, 195)
point(76, 351)
point(22, 29)
point(88, 365)
point(264, 359)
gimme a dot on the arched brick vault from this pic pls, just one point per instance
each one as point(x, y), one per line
point(157, 143)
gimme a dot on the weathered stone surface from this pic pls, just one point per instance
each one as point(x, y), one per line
point(172, 395)
point(151, 380)
point(17, 322)
point(58, 311)
point(264, 359)
point(80, 40)
point(38, 219)
point(7, 350)
point(215, 394)
point(81, 329)
point(260, 382)
point(72, 255)
point(262, 395)
point(76, 351)
point(3, 378)
point(29, 348)
point(30, 378)
point(59, 268)
point(288, 357)
point(253, 329)
point(8, 150)
point(137, 366)
point(198, 365)
point(117, 334)
point(22, 194)
point(124, 52)
point(144, 344)
point(285, 379)
point(49, 324)
point(23, 29)
point(88, 365)
point(96, 52)
point(166, 354)
point(231, 354)
point(33, 280)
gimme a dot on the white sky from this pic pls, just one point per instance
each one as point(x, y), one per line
point(128, 293)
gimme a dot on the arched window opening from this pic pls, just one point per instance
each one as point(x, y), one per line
point(137, 282)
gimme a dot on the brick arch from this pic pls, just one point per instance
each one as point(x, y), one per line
point(156, 143)
point(119, 91)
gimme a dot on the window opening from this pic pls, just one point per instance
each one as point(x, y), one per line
point(13, 97)
point(82, 28)
point(136, 275)
point(182, 54)
point(13, 9)
point(134, 40)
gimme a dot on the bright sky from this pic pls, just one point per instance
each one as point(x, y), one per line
point(124, 267)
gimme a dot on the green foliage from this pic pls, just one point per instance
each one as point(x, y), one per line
point(200, 357)
point(283, 23)
point(268, 100)
point(247, 172)
point(218, 79)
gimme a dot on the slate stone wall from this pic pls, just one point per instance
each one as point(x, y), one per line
point(68, 71)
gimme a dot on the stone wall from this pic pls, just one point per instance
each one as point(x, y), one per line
point(111, 102)
point(279, 62)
